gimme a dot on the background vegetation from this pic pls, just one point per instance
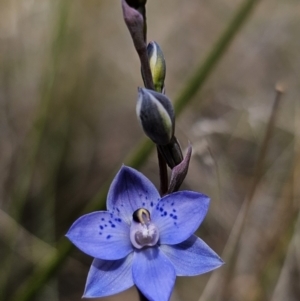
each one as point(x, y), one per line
point(68, 88)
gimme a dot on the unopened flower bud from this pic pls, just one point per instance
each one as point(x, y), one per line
point(157, 65)
point(179, 172)
point(156, 115)
point(135, 21)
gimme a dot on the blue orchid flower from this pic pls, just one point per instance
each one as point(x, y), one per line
point(143, 239)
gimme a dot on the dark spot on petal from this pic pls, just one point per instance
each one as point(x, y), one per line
point(161, 209)
point(174, 210)
point(101, 227)
point(165, 213)
point(100, 233)
point(172, 204)
point(113, 226)
point(103, 219)
point(108, 236)
point(175, 216)
point(151, 204)
point(105, 225)
point(171, 214)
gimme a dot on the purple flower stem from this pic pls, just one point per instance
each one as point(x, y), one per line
point(146, 71)
point(163, 173)
point(142, 10)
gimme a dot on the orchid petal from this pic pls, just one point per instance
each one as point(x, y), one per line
point(178, 215)
point(153, 274)
point(101, 235)
point(129, 191)
point(108, 277)
point(192, 257)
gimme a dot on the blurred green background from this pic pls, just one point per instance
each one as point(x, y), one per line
point(68, 87)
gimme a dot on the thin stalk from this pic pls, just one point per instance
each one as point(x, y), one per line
point(163, 173)
point(258, 172)
point(230, 250)
point(287, 248)
point(145, 66)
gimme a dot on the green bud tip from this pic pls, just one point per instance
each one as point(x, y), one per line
point(157, 65)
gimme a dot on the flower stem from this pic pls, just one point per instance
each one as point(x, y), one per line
point(163, 173)
point(145, 66)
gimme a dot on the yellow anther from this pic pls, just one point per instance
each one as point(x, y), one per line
point(142, 216)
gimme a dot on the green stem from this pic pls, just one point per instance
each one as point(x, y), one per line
point(49, 266)
point(35, 136)
point(205, 68)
